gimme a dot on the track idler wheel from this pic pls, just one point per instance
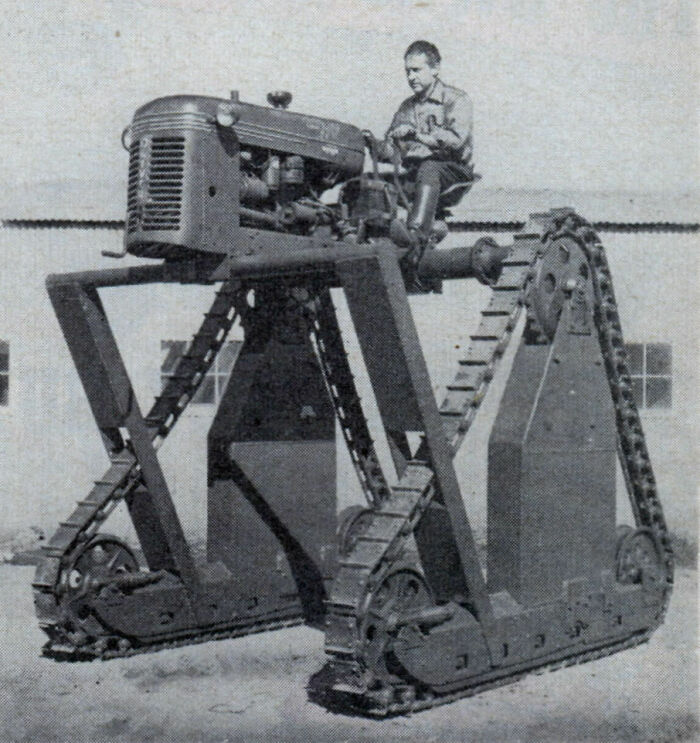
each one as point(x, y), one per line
point(640, 560)
point(562, 267)
point(402, 593)
point(96, 564)
point(352, 522)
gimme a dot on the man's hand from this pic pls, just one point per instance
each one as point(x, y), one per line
point(403, 131)
point(428, 140)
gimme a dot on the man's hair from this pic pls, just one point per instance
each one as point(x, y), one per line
point(424, 47)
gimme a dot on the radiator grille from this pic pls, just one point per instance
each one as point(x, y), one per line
point(154, 195)
point(165, 173)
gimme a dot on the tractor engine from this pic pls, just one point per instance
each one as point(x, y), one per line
point(199, 167)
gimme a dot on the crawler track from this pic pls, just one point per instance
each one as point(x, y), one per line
point(419, 700)
point(124, 476)
point(378, 548)
point(72, 653)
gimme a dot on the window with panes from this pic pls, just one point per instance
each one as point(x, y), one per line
point(650, 366)
point(214, 382)
point(4, 373)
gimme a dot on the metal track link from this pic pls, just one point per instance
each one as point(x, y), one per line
point(71, 653)
point(124, 473)
point(194, 363)
point(323, 325)
point(488, 344)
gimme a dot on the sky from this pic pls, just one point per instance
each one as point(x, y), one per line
point(567, 94)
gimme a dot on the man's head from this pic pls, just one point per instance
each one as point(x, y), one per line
point(422, 61)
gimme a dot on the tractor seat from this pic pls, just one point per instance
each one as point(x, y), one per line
point(448, 198)
point(453, 195)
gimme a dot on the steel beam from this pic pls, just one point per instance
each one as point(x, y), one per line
point(114, 405)
point(184, 272)
point(389, 341)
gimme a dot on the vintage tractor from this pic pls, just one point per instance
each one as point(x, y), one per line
point(227, 193)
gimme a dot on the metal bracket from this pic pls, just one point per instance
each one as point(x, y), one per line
point(578, 310)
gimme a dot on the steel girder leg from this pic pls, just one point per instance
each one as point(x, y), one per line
point(113, 402)
point(382, 318)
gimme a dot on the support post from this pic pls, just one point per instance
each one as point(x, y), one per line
point(113, 402)
point(382, 318)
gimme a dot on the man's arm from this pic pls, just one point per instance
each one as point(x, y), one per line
point(401, 127)
point(402, 124)
point(457, 131)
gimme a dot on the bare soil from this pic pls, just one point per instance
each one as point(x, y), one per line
point(253, 689)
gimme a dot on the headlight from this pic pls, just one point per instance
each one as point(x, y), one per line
point(227, 114)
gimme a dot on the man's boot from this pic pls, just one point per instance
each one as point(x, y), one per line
point(414, 233)
point(420, 220)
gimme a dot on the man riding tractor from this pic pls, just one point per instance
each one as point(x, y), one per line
point(431, 135)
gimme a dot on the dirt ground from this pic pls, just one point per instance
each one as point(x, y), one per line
point(253, 689)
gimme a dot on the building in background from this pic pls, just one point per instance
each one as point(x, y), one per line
point(50, 450)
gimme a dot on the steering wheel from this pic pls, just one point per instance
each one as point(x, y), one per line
point(371, 143)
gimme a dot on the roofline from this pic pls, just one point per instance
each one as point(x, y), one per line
point(454, 225)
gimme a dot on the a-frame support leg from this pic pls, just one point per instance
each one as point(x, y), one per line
point(382, 318)
point(113, 402)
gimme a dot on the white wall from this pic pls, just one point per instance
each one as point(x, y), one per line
point(656, 282)
point(50, 449)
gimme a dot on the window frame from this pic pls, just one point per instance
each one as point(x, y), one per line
point(219, 375)
point(6, 372)
point(644, 376)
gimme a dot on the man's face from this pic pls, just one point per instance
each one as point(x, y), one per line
point(419, 73)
